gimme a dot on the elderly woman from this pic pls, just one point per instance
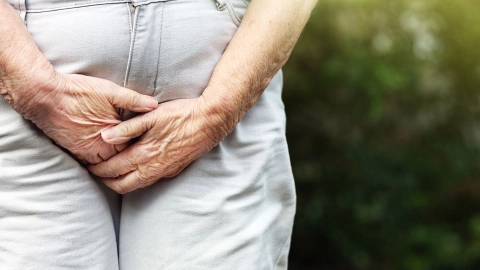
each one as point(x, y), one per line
point(194, 139)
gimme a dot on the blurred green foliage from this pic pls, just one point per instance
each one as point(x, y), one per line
point(383, 112)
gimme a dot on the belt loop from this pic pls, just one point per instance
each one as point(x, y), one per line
point(221, 4)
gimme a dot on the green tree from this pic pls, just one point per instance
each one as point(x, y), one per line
point(383, 111)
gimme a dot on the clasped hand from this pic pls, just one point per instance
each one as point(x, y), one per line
point(169, 138)
point(76, 109)
point(78, 113)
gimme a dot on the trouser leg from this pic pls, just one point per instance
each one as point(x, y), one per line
point(53, 215)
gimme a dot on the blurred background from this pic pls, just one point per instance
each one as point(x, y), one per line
point(383, 109)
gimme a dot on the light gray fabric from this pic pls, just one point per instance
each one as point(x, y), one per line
point(231, 209)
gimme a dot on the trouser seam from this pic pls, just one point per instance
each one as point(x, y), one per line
point(129, 12)
point(130, 53)
point(159, 51)
point(132, 46)
point(43, 10)
point(287, 241)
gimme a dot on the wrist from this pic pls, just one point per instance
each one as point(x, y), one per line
point(220, 113)
point(27, 89)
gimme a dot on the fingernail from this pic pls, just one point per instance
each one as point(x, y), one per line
point(152, 103)
point(108, 134)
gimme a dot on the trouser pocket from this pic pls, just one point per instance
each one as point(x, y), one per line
point(19, 6)
point(236, 9)
point(176, 46)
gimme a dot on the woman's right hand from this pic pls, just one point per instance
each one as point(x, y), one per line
point(70, 109)
point(78, 108)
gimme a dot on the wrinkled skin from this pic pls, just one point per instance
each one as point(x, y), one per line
point(79, 108)
point(172, 139)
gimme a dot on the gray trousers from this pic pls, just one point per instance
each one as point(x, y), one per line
point(231, 209)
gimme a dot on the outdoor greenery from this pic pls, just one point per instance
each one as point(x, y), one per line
point(383, 109)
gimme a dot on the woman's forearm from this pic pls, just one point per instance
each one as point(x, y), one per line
point(23, 68)
point(261, 46)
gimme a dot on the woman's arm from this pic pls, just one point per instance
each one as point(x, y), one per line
point(261, 46)
point(174, 138)
point(22, 65)
point(70, 109)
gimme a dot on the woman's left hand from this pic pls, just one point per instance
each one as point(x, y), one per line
point(171, 137)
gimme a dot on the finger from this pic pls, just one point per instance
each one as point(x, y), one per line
point(127, 130)
point(127, 183)
point(117, 165)
point(131, 100)
point(92, 159)
point(106, 152)
point(110, 150)
point(121, 147)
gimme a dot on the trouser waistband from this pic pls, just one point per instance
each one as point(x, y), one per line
point(33, 6)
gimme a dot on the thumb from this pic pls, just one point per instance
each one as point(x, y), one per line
point(128, 99)
point(127, 130)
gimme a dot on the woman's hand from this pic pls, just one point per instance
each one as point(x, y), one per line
point(174, 135)
point(71, 109)
point(78, 109)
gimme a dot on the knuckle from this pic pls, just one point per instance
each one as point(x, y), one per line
point(142, 180)
point(129, 163)
point(114, 94)
point(111, 172)
point(145, 126)
point(115, 99)
point(128, 128)
point(174, 171)
point(134, 98)
point(172, 174)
